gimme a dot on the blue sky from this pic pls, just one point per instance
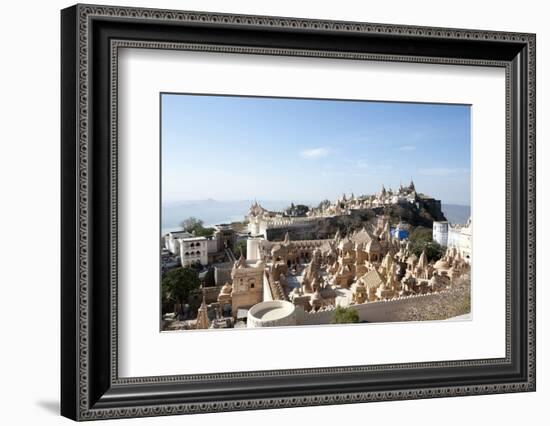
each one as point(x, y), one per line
point(241, 148)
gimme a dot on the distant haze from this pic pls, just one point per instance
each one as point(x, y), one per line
point(213, 212)
point(456, 213)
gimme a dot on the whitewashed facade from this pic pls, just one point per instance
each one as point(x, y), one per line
point(440, 233)
point(193, 250)
point(458, 236)
point(171, 241)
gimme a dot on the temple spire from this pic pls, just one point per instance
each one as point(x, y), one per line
point(241, 262)
point(202, 315)
point(423, 261)
point(287, 238)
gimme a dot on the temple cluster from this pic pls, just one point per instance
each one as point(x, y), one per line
point(261, 220)
point(345, 204)
point(362, 267)
point(374, 270)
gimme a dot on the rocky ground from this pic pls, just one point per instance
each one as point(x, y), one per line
point(452, 303)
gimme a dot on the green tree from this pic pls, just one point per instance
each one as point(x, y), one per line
point(421, 240)
point(178, 283)
point(421, 233)
point(345, 315)
point(240, 247)
point(204, 232)
point(191, 223)
point(239, 226)
point(297, 210)
point(196, 226)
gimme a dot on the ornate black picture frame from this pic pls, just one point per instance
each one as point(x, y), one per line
point(91, 387)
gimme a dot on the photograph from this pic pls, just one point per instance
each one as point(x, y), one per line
point(267, 208)
point(309, 212)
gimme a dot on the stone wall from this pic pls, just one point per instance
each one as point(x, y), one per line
point(299, 231)
point(379, 311)
point(222, 273)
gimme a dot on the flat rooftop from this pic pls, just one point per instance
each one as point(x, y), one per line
point(271, 314)
point(193, 238)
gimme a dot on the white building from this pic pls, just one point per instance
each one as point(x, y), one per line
point(440, 232)
point(253, 245)
point(171, 241)
point(462, 239)
point(193, 250)
point(458, 236)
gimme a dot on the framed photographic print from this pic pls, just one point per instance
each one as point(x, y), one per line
point(263, 212)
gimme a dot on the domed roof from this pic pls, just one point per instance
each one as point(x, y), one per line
point(362, 237)
point(441, 264)
point(412, 258)
point(345, 244)
point(435, 279)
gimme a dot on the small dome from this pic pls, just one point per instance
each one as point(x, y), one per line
point(441, 264)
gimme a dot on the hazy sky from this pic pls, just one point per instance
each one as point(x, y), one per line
point(241, 148)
